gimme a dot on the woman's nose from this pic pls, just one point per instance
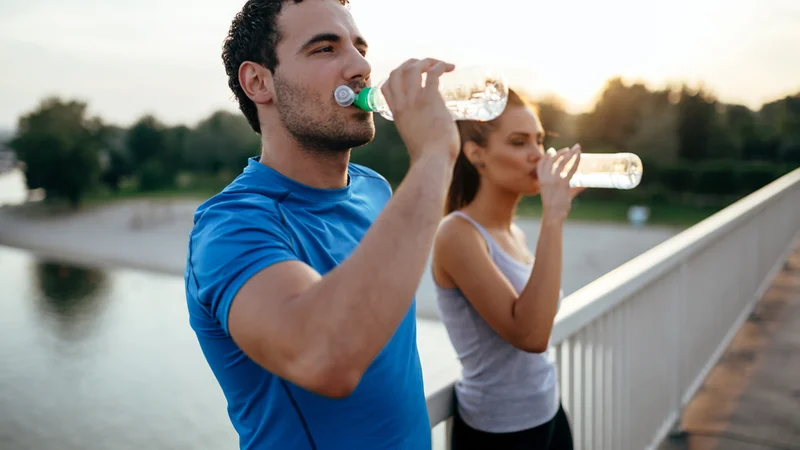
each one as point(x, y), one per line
point(535, 155)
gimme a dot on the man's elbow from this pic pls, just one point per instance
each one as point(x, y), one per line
point(328, 379)
point(337, 384)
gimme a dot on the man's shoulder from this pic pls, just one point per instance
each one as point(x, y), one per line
point(230, 212)
point(235, 203)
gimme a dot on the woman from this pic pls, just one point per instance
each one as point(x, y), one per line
point(497, 303)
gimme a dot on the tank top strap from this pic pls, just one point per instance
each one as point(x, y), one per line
point(486, 236)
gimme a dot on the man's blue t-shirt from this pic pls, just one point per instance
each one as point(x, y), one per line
point(263, 218)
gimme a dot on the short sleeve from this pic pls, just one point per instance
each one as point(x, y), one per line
point(228, 245)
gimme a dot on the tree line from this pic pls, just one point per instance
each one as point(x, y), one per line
point(695, 148)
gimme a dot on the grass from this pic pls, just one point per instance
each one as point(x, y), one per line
point(166, 194)
point(610, 211)
point(583, 209)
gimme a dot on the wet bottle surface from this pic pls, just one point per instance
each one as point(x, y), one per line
point(470, 94)
point(606, 170)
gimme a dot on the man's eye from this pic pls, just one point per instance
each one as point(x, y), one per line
point(324, 49)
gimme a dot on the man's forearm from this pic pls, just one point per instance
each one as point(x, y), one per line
point(357, 307)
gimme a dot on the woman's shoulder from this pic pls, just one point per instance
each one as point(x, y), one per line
point(457, 238)
point(458, 247)
point(454, 228)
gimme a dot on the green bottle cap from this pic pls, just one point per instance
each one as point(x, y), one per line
point(362, 99)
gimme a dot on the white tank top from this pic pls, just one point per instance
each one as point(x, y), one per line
point(503, 389)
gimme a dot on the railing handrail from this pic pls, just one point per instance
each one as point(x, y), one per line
point(593, 300)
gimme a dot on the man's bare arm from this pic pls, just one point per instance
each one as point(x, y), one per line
point(322, 333)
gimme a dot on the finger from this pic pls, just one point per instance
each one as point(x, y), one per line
point(574, 168)
point(557, 156)
point(413, 75)
point(540, 166)
point(395, 84)
point(569, 156)
point(547, 163)
point(436, 71)
point(575, 191)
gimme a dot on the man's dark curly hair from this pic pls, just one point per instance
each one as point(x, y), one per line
point(253, 36)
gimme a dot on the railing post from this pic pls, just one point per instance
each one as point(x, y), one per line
point(448, 432)
point(679, 305)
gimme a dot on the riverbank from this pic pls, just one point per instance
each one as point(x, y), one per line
point(152, 235)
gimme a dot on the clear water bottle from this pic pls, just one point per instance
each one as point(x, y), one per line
point(605, 170)
point(470, 94)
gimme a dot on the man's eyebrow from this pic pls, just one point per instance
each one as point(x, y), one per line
point(329, 37)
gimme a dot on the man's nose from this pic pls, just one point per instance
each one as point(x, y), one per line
point(357, 66)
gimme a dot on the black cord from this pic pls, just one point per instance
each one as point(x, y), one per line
point(733, 436)
point(302, 418)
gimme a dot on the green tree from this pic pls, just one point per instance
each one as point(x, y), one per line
point(386, 154)
point(222, 142)
point(780, 122)
point(655, 137)
point(616, 116)
point(60, 147)
point(116, 162)
point(697, 116)
point(556, 122)
point(155, 153)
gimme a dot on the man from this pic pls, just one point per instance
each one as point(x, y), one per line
point(301, 274)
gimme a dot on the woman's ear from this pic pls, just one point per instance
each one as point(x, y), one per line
point(474, 153)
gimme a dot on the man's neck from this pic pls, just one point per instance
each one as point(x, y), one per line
point(318, 169)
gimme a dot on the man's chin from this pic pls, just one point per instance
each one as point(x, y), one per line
point(362, 134)
point(360, 141)
point(354, 140)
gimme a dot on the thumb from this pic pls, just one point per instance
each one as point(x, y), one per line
point(573, 192)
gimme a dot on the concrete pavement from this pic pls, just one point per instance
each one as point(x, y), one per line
point(751, 399)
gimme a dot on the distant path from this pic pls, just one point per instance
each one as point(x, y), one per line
point(153, 235)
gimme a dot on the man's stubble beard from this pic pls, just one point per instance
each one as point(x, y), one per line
point(315, 132)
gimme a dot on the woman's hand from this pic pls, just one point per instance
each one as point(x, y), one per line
point(554, 188)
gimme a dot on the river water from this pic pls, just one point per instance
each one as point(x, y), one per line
point(105, 359)
point(100, 360)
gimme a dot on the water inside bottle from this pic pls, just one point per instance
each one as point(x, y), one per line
point(609, 180)
point(604, 170)
point(469, 94)
point(478, 101)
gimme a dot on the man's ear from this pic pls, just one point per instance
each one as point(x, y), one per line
point(474, 153)
point(257, 82)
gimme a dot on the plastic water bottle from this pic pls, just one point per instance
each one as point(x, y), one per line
point(470, 94)
point(605, 170)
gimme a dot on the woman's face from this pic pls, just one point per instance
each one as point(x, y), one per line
point(512, 151)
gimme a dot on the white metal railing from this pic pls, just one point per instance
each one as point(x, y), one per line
point(633, 347)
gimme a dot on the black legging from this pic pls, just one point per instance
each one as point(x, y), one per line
point(553, 435)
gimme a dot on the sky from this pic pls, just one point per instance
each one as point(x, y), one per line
point(162, 57)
